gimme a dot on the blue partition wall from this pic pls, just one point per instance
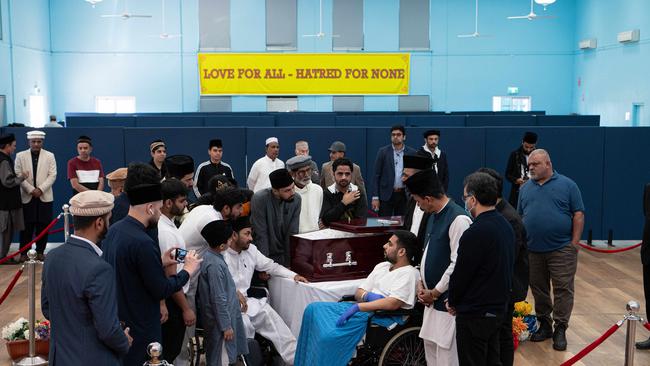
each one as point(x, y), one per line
point(608, 164)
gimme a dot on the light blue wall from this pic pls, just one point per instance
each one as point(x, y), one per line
point(613, 76)
point(25, 55)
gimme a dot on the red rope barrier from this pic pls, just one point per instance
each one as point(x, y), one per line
point(11, 285)
point(646, 325)
point(593, 345)
point(618, 250)
point(31, 242)
point(59, 230)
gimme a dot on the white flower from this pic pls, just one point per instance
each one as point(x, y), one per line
point(13, 331)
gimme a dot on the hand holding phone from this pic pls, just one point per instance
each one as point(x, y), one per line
point(179, 255)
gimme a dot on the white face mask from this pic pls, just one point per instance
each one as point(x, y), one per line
point(469, 209)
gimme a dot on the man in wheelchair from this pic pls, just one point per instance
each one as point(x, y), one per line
point(331, 331)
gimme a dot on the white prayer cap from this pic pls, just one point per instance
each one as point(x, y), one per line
point(271, 139)
point(31, 135)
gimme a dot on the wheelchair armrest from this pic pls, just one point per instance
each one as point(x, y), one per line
point(257, 292)
point(348, 298)
point(399, 312)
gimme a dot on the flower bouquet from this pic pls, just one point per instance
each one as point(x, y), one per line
point(17, 336)
point(524, 322)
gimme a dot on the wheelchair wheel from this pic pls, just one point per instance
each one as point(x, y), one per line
point(405, 348)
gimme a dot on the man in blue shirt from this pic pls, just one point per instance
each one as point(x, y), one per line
point(553, 213)
point(389, 197)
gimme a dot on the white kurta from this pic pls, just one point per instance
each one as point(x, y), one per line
point(439, 327)
point(400, 283)
point(418, 213)
point(260, 316)
point(258, 177)
point(170, 237)
point(311, 202)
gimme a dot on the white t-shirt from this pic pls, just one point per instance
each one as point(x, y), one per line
point(170, 237)
point(400, 283)
point(192, 225)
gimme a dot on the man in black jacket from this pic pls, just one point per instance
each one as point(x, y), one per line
point(517, 170)
point(645, 259)
point(415, 219)
point(520, 275)
point(431, 148)
point(343, 200)
point(479, 287)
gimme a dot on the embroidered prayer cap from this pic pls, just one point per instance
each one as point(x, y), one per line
point(91, 203)
point(179, 165)
point(216, 232)
point(84, 139)
point(530, 137)
point(337, 146)
point(35, 135)
point(270, 140)
point(7, 139)
point(431, 132)
point(215, 143)
point(241, 223)
point(117, 174)
point(419, 162)
point(425, 183)
point(280, 178)
point(298, 162)
point(155, 144)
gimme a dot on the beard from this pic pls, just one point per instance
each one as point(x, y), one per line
point(102, 235)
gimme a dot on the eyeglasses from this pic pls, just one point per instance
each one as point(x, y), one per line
point(465, 197)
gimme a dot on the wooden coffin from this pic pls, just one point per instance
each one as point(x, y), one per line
point(345, 251)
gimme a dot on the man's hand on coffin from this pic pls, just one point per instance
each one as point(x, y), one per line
point(371, 296)
point(243, 302)
point(349, 197)
point(299, 278)
point(347, 315)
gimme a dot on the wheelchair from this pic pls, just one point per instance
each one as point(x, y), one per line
point(400, 345)
point(261, 350)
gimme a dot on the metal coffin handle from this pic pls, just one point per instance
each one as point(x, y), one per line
point(329, 262)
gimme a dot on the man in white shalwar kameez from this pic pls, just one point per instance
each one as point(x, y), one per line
point(258, 177)
point(446, 223)
point(243, 259)
point(311, 194)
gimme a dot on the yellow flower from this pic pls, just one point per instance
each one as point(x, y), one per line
point(523, 308)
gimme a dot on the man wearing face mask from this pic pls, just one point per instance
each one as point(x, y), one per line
point(445, 224)
point(275, 216)
point(258, 177)
point(139, 267)
point(479, 287)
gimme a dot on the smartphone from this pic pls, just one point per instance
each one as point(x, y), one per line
point(180, 254)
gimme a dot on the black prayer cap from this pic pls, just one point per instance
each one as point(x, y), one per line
point(179, 166)
point(7, 139)
point(425, 183)
point(216, 233)
point(419, 162)
point(241, 223)
point(431, 132)
point(530, 137)
point(144, 193)
point(280, 178)
point(84, 138)
point(215, 143)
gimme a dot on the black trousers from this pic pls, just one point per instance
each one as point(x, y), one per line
point(173, 331)
point(646, 288)
point(506, 346)
point(395, 206)
point(477, 340)
point(31, 230)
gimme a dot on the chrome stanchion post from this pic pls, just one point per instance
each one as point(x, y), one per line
point(66, 221)
point(32, 359)
point(632, 317)
point(154, 350)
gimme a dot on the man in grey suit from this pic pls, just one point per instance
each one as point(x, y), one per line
point(78, 291)
point(388, 195)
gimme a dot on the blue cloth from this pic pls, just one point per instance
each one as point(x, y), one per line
point(78, 297)
point(398, 157)
point(321, 342)
point(547, 211)
point(385, 171)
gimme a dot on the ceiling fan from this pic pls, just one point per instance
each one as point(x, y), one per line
point(532, 15)
point(93, 2)
point(163, 34)
point(125, 15)
point(476, 34)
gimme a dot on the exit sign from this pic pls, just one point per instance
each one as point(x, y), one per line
point(513, 90)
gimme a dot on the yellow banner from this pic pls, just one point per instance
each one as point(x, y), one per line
point(303, 74)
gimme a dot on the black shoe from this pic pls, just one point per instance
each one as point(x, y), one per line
point(559, 338)
point(543, 333)
point(643, 344)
